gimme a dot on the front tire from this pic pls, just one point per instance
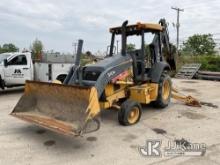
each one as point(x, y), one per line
point(164, 92)
point(130, 113)
point(2, 83)
point(61, 78)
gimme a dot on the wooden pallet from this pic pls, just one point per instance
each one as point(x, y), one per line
point(188, 71)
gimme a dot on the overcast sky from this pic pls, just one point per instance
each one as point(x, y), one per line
point(60, 23)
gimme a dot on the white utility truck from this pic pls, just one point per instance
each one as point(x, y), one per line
point(16, 68)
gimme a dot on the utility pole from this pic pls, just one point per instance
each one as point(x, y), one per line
point(177, 26)
point(117, 46)
point(75, 44)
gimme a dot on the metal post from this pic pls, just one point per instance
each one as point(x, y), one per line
point(142, 55)
point(112, 45)
point(117, 46)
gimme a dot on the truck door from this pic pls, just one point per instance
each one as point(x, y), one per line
point(18, 70)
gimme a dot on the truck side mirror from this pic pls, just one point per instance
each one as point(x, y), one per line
point(5, 62)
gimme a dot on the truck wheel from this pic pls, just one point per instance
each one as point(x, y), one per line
point(130, 113)
point(61, 78)
point(164, 92)
point(2, 83)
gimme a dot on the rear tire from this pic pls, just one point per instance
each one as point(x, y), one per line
point(61, 77)
point(130, 113)
point(2, 83)
point(164, 92)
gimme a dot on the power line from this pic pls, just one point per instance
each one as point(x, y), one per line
point(178, 10)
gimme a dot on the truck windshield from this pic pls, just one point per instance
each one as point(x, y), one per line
point(3, 56)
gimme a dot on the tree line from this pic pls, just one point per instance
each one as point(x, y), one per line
point(198, 44)
point(8, 48)
point(36, 48)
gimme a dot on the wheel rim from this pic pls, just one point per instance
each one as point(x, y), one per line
point(166, 90)
point(133, 115)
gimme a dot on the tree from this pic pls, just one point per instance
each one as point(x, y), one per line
point(8, 48)
point(37, 49)
point(199, 45)
point(130, 47)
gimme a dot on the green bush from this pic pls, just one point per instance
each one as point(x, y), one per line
point(209, 62)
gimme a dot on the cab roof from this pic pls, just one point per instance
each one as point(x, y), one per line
point(137, 28)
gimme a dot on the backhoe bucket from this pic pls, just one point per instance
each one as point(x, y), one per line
point(69, 110)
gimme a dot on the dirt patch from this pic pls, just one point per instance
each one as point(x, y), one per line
point(91, 138)
point(182, 142)
point(92, 155)
point(41, 131)
point(159, 131)
point(191, 115)
point(49, 143)
point(129, 137)
point(76, 146)
point(189, 90)
point(134, 146)
point(209, 104)
point(203, 152)
point(189, 82)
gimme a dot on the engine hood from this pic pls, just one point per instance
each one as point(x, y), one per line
point(108, 62)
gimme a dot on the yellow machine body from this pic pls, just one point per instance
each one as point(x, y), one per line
point(70, 109)
point(144, 93)
point(121, 81)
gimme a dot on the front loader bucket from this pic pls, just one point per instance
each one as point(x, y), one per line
point(69, 110)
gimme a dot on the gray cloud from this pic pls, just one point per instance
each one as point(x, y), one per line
point(59, 23)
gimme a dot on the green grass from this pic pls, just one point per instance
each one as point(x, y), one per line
point(209, 62)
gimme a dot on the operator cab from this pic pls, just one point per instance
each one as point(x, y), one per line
point(143, 62)
point(143, 59)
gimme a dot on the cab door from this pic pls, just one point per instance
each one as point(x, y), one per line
point(18, 70)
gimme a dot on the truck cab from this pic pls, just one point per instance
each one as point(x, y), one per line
point(15, 69)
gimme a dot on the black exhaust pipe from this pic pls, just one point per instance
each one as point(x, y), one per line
point(124, 38)
point(77, 62)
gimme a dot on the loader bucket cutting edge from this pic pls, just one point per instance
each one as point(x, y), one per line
point(64, 109)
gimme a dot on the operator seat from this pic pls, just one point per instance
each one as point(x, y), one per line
point(139, 62)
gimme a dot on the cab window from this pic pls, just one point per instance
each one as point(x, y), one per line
point(19, 60)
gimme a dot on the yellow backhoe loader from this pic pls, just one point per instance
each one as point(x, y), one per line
point(123, 81)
